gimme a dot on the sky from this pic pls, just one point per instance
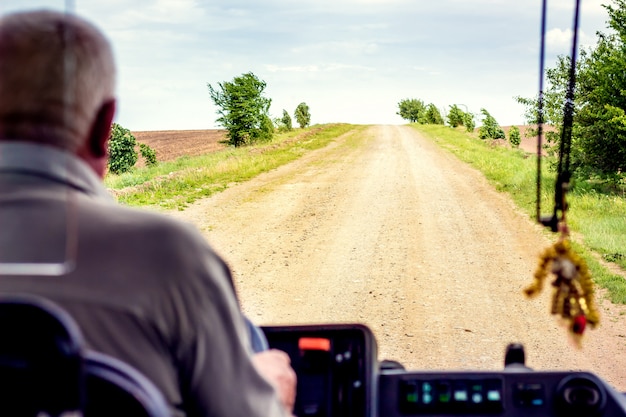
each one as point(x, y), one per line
point(350, 61)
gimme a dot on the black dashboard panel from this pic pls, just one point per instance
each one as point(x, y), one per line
point(339, 376)
point(509, 393)
point(336, 367)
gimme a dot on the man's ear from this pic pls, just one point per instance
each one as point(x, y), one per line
point(101, 129)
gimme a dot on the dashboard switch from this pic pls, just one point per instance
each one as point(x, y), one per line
point(529, 395)
point(451, 396)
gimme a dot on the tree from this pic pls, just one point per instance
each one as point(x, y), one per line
point(598, 147)
point(284, 123)
point(490, 128)
point(598, 140)
point(122, 153)
point(302, 115)
point(412, 110)
point(468, 122)
point(456, 116)
point(243, 109)
point(148, 154)
point(432, 115)
point(514, 137)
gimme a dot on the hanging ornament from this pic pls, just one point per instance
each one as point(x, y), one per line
point(572, 298)
point(573, 293)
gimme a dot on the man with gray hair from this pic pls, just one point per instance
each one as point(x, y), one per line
point(142, 287)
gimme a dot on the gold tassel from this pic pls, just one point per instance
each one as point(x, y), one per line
point(572, 299)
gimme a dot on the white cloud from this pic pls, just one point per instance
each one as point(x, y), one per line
point(292, 68)
point(559, 38)
point(559, 41)
point(347, 47)
point(353, 60)
point(331, 67)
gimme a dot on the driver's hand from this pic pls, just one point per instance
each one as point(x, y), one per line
point(275, 366)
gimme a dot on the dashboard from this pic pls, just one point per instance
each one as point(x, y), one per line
point(339, 375)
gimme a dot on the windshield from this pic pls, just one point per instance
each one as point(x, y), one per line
point(358, 215)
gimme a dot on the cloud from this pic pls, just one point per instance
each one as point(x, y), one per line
point(317, 68)
point(293, 68)
point(559, 38)
point(426, 70)
point(559, 41)
point(589, 8)
point(344, 47)
point(337, 55)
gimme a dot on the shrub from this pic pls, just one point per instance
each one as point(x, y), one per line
point(148, 154)
point(490, 128)
point(514, 137)
point(433, 116)
point(122, 153)
point(284, 124)
point(456, 116)
point(468, 121)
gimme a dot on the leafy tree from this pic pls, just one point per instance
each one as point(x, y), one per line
point(122, 153)
point(412, 110)
point(284, 123)
point(432, 115)
point(598, 146)
point(148, 154)
point(553, 99)
point(490, 128)
point(598, 140)
point(468, 122)
point(267, 128)
point(456, 116)
point(514, 137)
point(243, 109)
point(302, 115)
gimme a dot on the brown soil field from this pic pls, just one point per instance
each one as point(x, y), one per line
point(529, 143)
point(172, 144)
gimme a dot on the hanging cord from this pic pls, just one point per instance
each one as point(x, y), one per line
point(563, 171)
point(573, 292)
point(540, 116)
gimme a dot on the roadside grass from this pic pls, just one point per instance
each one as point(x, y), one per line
point(178, 183)
point(597, 217)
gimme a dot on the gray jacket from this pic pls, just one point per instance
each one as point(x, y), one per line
point(143, 287)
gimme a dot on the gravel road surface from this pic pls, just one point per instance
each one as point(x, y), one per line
point(399, 235)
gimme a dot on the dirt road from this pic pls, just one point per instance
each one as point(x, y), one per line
point(401, 236)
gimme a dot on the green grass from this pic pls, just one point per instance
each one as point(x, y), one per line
point(181, 182)
point(598, 217)
point(509, 170)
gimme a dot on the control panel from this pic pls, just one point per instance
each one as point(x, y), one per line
point(423, 396)
point(339, 376)
point(336, 367)
point(509, 393)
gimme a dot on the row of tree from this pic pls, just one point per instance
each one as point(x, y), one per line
point(598, 147)
point(243, 111)
point(416, 111)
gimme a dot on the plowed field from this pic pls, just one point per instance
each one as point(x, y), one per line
point(172, 144)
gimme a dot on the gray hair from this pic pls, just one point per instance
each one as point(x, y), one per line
point(56, 71)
